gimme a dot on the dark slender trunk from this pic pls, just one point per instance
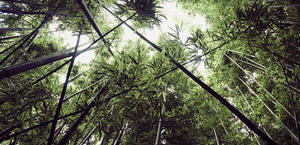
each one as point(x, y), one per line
point(34, 13)
point(88, 135)
point(23, 12)
point(51, 72)
point(12, 37)
point(279, 56)
point(119, 137)
point(207, 88)
point(68, 115)
point(93, 23)
point(16, 69)
point(68, 134)
point(292, 102)
point(63, 92)
point(105, 140)
point(24, 2)
point(69, 97)
point(5, 30)
point(36, 126)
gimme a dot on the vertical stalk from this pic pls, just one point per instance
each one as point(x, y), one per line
point(292, 98)
point(215, 133)
point(119, 137)
point(68, 134)
point(59, 106)
point(93, 23)
point(88, 135)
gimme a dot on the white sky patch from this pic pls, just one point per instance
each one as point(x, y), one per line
point(69, 40)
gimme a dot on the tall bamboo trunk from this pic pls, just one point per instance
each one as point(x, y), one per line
point(93, 23)
point(12, 37)
point(63, 92)
point(118, 140)
point(23, 2)
point(5, 30)
point(105, 139)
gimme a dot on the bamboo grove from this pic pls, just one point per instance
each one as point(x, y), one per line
point(144, 92)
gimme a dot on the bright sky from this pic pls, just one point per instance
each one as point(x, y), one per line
point(174, 14)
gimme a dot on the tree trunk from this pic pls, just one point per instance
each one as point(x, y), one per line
point(68, 134)
point(119, 137)
point(24, 2)
point(216, 136)
point(23, 12)
point(27, 46)
point(105, 140)
point(5, 30)
point(93, 23)
point(63, 92)
point(28, 65)
point(45, 20)
point(87, 136)
point(12, 37)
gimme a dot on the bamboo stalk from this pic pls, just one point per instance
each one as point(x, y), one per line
point(63, 92)
point(16, 69)
point(292, 98)
point(24, 2)
point(5, 30)
point(68, 134)
point(216, 136)
point(223, 125)
point(93, 23)
point(67, 98)
point(11, 37)
point(119, 137)
point(87, 136)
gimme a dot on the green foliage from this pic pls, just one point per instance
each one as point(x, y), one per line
point(252, 55)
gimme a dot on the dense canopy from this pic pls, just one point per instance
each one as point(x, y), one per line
point(219, 72)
